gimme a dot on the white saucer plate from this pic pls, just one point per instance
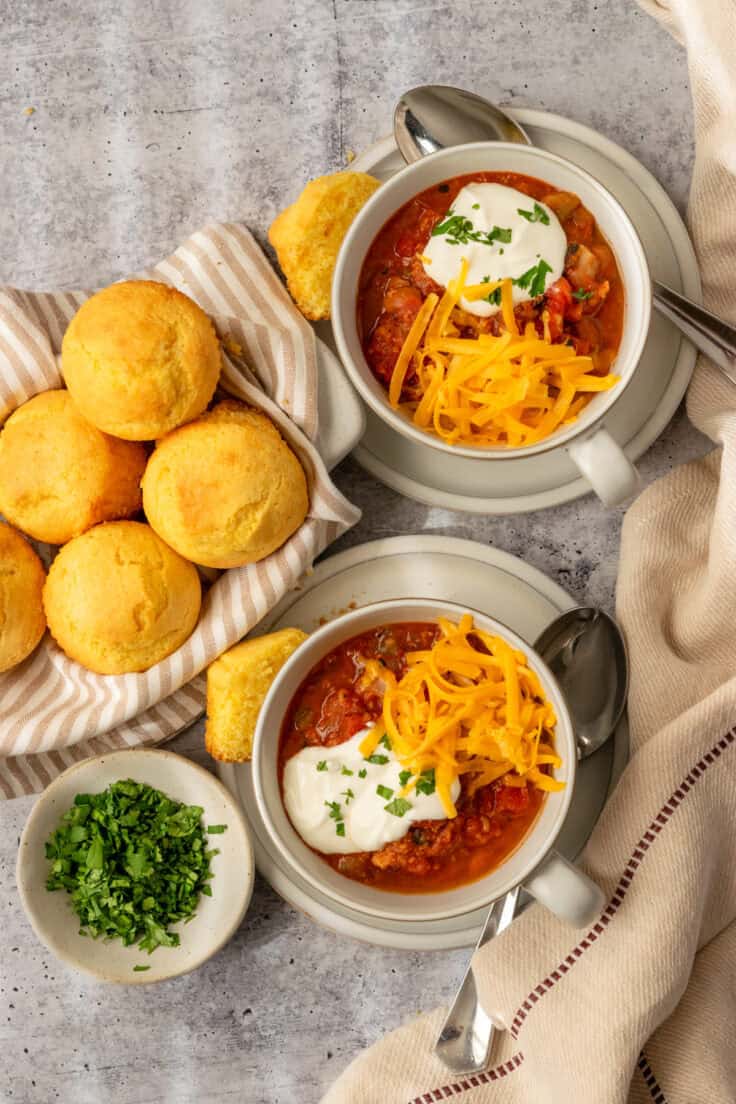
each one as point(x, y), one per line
point(645, 408)
point(428, 567)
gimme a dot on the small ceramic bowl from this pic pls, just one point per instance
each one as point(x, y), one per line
point(217, 917)
point(544, 873)
point(588, 442)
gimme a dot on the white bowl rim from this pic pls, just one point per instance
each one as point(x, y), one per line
point(380, 405)
point(312, 644)
point(22, 871)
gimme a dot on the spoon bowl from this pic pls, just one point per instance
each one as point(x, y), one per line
point(585, 650)
point(432, 116)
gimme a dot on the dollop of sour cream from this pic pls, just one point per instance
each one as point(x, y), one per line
point(340, 802)
point(502, 233)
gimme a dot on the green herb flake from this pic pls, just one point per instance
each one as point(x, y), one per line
point(398, 807)
point(133, 861)
point(140, 969)
point(378, 760)
point(385, 792)
point(537, 215)
point(534, 279)
point(499, 233)
point(476, 206)
point(348, 795)
point(581, 295)
point(216, 829)
point(340, 828)
point(322, 765)
point(460, 230)
point(426, 782)
point(362, 772)
point(404, 777)
point(385, 741)
point(347, 771)
point(335, 811)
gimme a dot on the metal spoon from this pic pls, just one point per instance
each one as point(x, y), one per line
point(434, 116)
point(586, 652)
point(427, 119)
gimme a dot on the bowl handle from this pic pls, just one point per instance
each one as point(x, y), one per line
point(606, 467)
point(566, 891)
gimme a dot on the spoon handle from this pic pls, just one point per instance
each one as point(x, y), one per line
point(466, 1039)
point(712, 335)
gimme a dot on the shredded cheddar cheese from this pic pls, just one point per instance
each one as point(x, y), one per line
point(504, 391)
point(469, 705)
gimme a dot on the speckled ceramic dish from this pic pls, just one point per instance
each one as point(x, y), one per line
point(217, 917)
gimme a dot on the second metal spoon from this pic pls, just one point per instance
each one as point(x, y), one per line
point(586, 652)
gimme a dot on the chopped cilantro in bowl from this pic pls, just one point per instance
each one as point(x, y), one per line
point(134, 861)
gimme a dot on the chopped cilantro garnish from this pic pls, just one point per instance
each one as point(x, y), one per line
point(499, 233)
point(426, 783)
point(404, 777)
point(335, 811)
point(494, 297)
point(581, 294)
point(537, 215)
point(476, 206)
point(398, 807)
point(460, 230)
point(348, 795)
point(346, 770)
point(322, 765)
point(385, 741)
point(362, 772)
point(534, 279)
point(340, 828)
point(140, 969)
point(379, 760)
point(217, 829)
point(134, 861)
point(384, 792)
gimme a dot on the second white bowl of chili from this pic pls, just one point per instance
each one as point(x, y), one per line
point(598, 304)
point(385, 845)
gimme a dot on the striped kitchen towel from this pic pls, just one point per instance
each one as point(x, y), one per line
point(53, 712)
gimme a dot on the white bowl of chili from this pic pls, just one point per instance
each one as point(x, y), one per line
point(495, 842)
point(381, 265)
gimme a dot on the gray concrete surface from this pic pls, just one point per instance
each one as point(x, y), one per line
point(151, 118)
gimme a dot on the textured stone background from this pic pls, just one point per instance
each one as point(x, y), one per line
point(150, 119)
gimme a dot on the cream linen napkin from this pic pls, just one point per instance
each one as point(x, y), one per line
point(52, 711)
point(641, 1007)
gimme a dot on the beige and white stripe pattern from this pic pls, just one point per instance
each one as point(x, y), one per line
point(52, 711)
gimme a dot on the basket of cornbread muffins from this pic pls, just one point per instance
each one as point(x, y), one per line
point(156, 499)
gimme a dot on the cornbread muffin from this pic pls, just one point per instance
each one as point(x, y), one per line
point(307, 236)
point(22, 621)
point(237, 684)
point(117, 599)
point(140, 358)
point(60, 475)
point(225, 490)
